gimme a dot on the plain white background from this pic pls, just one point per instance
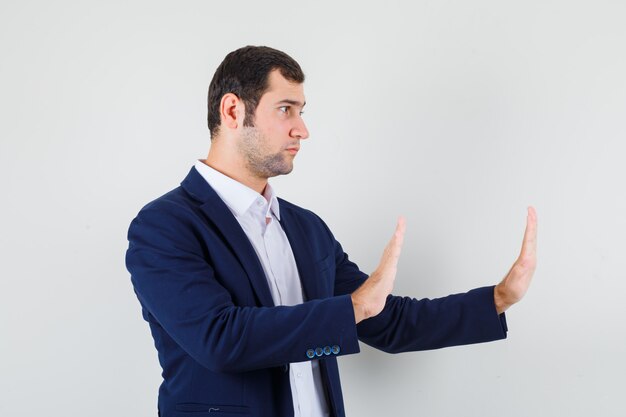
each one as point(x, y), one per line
point(456, 114)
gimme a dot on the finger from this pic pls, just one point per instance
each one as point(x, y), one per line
point(400, 229)
point(398, 236)
point(394, 247)
point(529, 244)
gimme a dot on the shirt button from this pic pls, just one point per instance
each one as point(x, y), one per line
point(299, 375)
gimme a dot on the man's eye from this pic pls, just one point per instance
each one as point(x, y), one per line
point(284, 109)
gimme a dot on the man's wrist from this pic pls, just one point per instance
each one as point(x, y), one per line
point(499, 298)
point(359, 310)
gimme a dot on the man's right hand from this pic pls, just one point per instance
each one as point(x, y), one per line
point(369, 299)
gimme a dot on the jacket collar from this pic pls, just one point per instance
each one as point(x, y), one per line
point(223, 219)
point(237, 196)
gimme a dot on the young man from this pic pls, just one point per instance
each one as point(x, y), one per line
point(249, 298)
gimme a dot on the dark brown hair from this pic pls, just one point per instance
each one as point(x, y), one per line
point(245, 72)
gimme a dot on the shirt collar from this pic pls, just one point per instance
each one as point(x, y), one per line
point(270, 196)
point(237, 196)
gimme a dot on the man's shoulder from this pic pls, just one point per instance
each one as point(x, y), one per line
point(174, 208)
point(174, 199)
point(295, 209)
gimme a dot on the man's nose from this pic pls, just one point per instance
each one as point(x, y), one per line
point(299, 130)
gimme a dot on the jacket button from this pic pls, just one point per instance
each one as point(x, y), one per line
point(319, 351)
point(310, 353)
point(335, 349)
point(327, 350)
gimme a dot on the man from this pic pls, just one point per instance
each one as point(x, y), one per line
point(249, 298)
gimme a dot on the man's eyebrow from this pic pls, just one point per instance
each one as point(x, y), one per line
point(292, 102)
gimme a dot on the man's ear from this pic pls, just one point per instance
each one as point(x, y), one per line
point(232, 111)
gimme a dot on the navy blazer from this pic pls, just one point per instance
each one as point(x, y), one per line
point(225, 348)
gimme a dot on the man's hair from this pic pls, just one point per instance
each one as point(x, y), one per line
point(245, 72)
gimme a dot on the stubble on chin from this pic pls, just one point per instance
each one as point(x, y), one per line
point(259, 161)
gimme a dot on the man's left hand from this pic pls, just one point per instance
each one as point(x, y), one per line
point(515, 284)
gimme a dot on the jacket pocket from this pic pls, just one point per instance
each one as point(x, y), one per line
point(202, 410)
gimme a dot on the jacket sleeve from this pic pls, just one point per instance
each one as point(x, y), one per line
point(409, 324)
point(178, 287)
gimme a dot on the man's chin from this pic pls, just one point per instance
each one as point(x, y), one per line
point(284, 171)
point(273, 167)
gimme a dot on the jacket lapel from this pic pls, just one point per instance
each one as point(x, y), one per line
point(219, 214)
point(303, 254)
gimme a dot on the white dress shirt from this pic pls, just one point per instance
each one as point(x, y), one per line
point(258, 216)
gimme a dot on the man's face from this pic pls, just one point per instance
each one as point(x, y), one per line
point(270, 146)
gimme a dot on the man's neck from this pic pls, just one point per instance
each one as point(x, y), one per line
point(239, 174)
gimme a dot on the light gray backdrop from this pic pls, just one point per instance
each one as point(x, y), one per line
point(457, 114)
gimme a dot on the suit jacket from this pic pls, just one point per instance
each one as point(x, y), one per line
point(223, 345)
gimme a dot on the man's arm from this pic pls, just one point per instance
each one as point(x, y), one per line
point(407, 324)
point(175, 279)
